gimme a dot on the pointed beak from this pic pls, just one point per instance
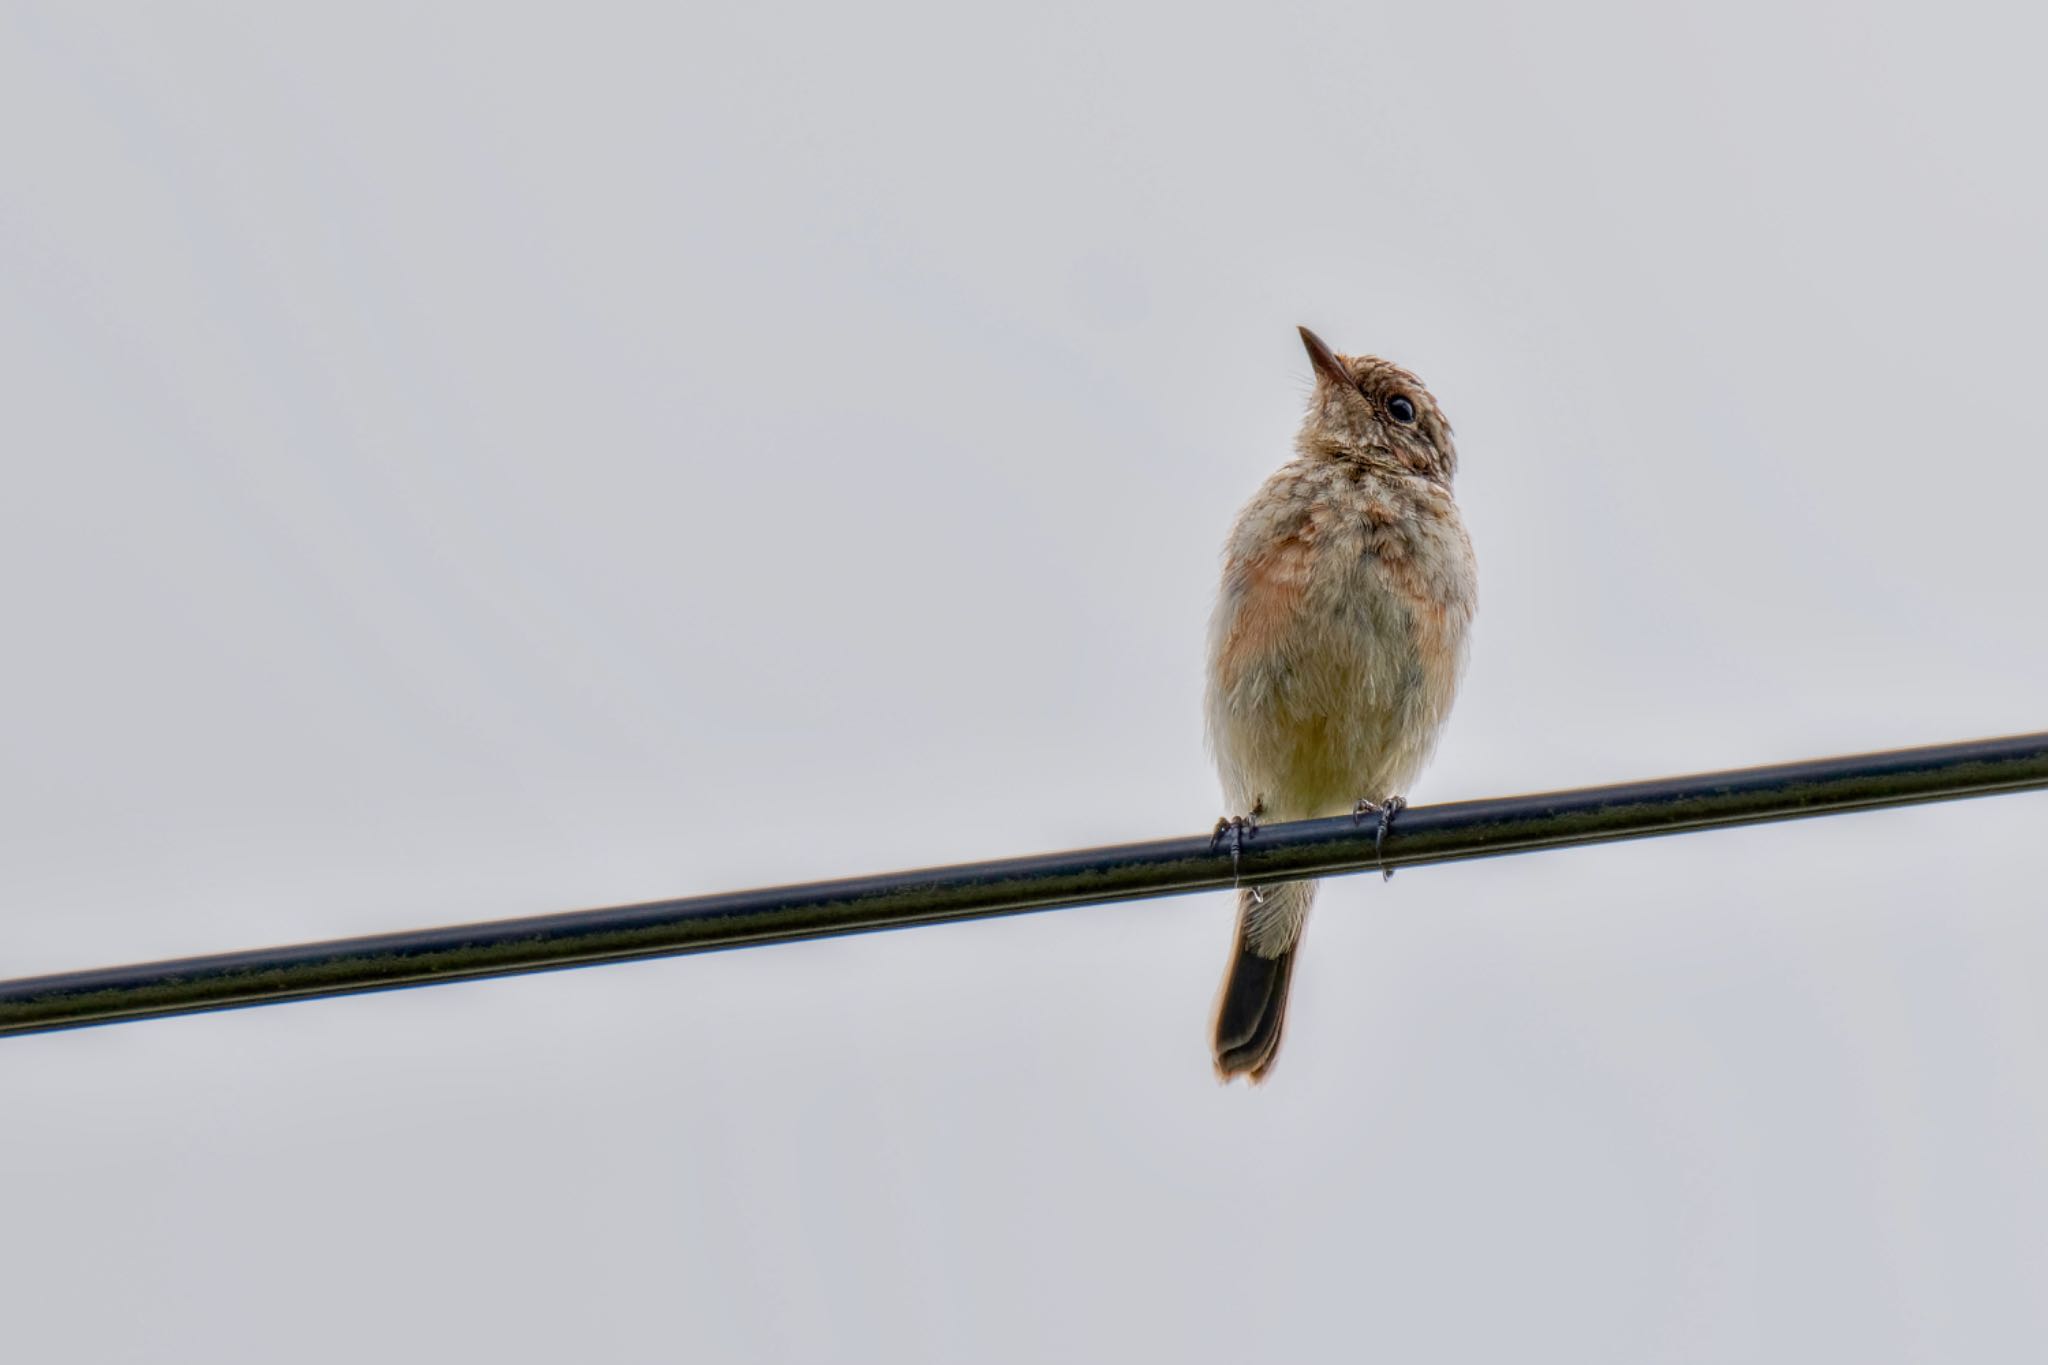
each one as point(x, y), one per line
point(1324, 359)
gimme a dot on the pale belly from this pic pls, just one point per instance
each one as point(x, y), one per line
point(1342, 704)
point(1336, 714)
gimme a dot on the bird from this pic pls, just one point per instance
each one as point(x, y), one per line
point(1335, 651)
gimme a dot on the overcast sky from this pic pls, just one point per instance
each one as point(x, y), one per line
point(462, 464)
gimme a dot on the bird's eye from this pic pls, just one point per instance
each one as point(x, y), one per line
point(1400, 409)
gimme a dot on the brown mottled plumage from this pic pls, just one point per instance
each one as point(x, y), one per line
point(1338, 639)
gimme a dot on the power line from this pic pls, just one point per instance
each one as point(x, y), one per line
point(1308, 848)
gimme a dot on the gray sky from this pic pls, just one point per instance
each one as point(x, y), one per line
point(464, 464)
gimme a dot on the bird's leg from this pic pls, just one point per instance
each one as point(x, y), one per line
point(1233, 830)
point(1386, 810)
point(1236, 830)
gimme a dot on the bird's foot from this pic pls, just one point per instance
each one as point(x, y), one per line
point(1386, 811)
point(1234, 832)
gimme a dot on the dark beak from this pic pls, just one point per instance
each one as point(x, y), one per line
point(1324, 359)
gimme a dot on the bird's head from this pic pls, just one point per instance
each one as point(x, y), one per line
point(1372, 411)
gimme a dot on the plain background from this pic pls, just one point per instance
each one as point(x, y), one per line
point(463, 461)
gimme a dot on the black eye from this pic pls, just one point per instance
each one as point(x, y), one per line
point(1400, 409)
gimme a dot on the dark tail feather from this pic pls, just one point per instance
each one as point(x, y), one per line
point(1252, 1013)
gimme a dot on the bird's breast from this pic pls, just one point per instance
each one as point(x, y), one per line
point(1337, 645)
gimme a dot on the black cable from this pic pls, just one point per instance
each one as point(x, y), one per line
point(1309, 848)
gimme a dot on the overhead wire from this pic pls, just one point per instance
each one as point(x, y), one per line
point(1310, 848)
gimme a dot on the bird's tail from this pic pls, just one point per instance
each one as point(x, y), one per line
point(1253, 1010)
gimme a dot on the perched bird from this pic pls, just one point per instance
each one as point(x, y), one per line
point(1335, 650)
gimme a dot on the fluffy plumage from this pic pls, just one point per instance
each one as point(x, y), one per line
point(1336, 647)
